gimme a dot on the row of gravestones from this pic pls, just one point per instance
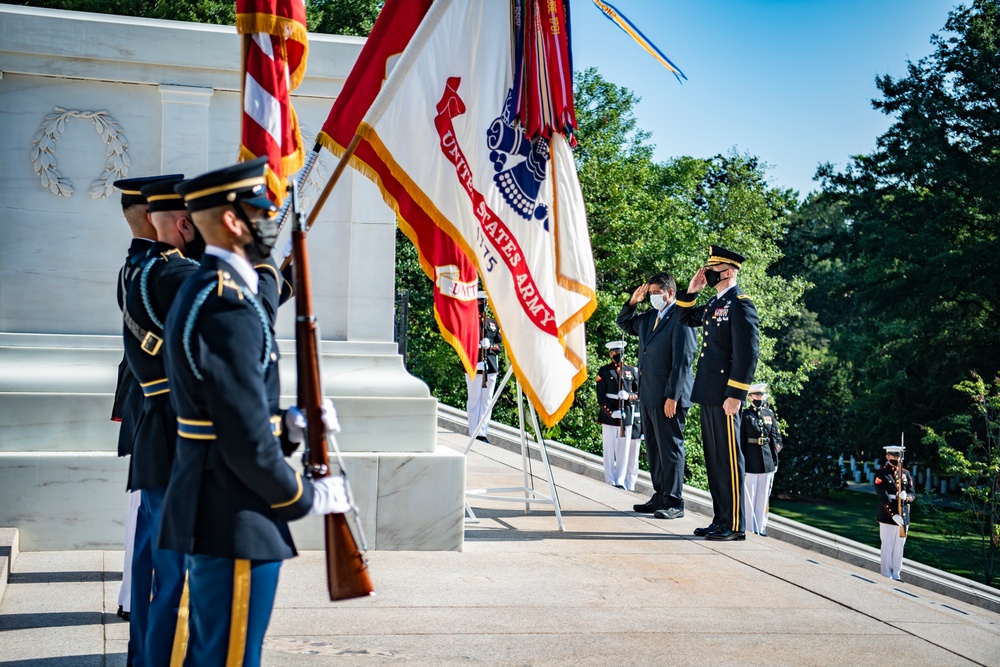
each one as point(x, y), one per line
point(864, 471)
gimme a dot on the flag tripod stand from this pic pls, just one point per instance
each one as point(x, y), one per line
point(531, 495)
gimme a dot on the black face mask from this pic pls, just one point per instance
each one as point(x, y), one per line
point(264, 233)
point(757, 403)
point(713, 278)
point(617, 358)
point(195, 248)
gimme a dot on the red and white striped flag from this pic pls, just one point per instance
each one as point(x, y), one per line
point(275, 63)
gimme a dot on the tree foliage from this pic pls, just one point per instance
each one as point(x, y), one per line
point(339, 17)
point(913, 300)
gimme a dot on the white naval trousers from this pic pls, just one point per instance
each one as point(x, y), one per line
point(125, 592)
point(479, 399)
point(758, 489)
point(632, 457)
point(615, 454)
point(892, 550)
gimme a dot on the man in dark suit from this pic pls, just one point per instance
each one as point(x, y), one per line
point(666, 351)
point(725, 372)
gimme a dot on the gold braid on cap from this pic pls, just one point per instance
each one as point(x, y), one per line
point(716, 259)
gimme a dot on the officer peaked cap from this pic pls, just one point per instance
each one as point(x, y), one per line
point(719, 255)
point(894, 449)
point(481, 295)
point(243, 182)
point(757, 388)
point(615, 345)
point(160, 195)
point(132, 187)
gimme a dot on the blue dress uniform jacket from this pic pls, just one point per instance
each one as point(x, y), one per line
point(607, 384)
point(128, 394)
point(147, 302)
point(231, 491)
point(728, 359)
point(492, 331)
point(274, 289)
point(886, 490)
point(759, 440)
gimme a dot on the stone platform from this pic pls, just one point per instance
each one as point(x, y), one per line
point(614, 588)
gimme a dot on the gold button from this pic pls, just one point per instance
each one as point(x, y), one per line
point(703, 354)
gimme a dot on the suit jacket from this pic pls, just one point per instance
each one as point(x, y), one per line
point(665, 355)
point(729, 344)
point(147, 302)
point(231, 491)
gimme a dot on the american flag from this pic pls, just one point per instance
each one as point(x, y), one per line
point(275, 50)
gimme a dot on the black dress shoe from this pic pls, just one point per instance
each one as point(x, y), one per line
point(669, 513)
point(726, 536)
point(122, 614)
point(482, 438)
point(647, 507)
point(702, 532)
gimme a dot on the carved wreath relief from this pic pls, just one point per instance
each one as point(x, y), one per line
point(43, 156)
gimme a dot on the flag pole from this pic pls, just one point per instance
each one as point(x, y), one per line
point(244, 50)
point(323, 196)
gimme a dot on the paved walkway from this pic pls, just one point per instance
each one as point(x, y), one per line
point(614, 588)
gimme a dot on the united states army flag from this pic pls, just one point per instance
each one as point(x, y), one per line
point(446, 125)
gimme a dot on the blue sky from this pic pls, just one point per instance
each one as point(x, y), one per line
point(790, 81)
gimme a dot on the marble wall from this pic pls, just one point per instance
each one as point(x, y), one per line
point(86, 99)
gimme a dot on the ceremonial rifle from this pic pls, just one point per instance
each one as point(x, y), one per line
point(621, 403)
point(899, 488)
point(482, 350)
point(346, 570)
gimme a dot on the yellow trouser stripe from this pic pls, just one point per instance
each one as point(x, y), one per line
point(239, 613)
point(733, 471)
point(181, 633)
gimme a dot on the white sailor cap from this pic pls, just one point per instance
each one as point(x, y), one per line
point(894, 449)
point(615, 345)
point(758, 388)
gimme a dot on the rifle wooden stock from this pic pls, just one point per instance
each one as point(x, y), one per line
point(347, 574)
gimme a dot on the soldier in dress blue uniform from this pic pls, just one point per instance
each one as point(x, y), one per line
point(231, 491)
point(894, 490)
point(726, 367)
point(128, 395)
point(617, 392)
point(479, 391)
point(760, 441)
point(171, 261)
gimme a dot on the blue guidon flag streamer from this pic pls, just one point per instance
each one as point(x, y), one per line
point(622, 22)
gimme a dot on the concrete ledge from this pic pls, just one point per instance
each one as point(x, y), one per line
point(857, 554)
point(8, 554)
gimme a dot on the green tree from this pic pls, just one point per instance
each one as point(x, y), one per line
point(916, 308)
point(970, 448)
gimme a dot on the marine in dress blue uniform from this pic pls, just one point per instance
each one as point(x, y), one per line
point(760, 440)
point(726, 366)
point(894, 490)
point(617, 393)
point(231, 491)
point(478, 391)
point(171, 261)
point(127, 410)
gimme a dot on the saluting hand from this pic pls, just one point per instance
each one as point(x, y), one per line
point(732, 405)
point(639, 294)
point(697, 282)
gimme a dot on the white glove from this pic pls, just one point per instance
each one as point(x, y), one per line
point(484, 343)
point(329, 496)
point(295, 425)
point(623, 395)
point(295, 421)
point(617, 414)
point(288, 249)
point(898, 519)
point(481, 366)
point(330, 416)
